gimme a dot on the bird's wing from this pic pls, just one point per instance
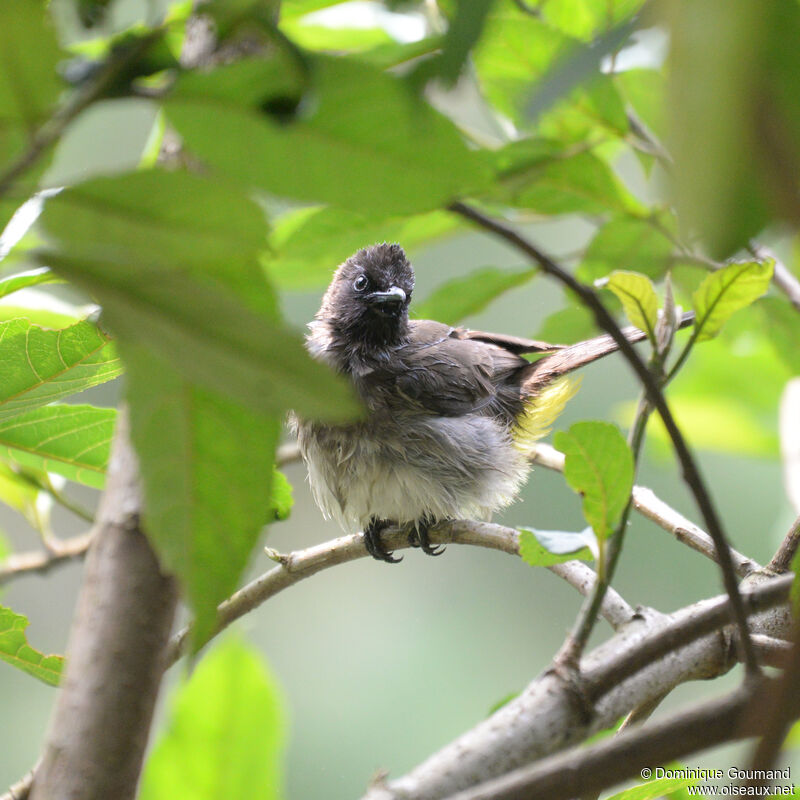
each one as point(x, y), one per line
point(446, 371)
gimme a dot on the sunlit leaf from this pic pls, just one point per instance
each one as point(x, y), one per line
point(15, 650)
point(599, 466)
point(545, 548)
point(468, 295)
point(225, 733)
point(726, 291)
point(639, 299)
point(281, 500)
point(19, 493)
point(38, 366)
point(70, 440)
point(24, 280)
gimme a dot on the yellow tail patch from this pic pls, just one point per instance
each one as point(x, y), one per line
point(541, 412)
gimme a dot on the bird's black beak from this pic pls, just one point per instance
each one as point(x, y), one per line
point(389, 303)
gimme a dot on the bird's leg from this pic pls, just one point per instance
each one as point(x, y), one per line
point(373, 543)
point(418, 537)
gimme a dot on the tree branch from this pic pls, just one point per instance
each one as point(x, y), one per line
point(691, 473)
point(300, 564)
point(553, 714)
point(582, 771)
point(41, 561)
point(95, 745)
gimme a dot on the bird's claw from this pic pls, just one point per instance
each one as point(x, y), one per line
point(374, 545)
point(418, 537)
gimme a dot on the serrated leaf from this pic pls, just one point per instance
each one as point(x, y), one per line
point(70, 440)
point(406, 159)
point(226, 732)
point(639, 299)
point(15, 650)
point(468, 295)
point(173, 258)
point(24, 280)
point(599, 466)
point(38, 366)
point(308, 244)
point(207, 466)
point(545, 548)
point(726, 291)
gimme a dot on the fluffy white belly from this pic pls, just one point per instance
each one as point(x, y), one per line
point(435, 467)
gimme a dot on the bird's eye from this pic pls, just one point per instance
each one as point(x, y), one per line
point(361, 283)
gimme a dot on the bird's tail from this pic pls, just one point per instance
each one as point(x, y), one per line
point(548, 386)
point(554, 366)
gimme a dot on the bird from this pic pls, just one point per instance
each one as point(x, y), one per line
point(451, 414)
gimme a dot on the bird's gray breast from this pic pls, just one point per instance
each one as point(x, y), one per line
point(402, 464)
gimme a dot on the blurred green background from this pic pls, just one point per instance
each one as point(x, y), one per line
point(383, 664)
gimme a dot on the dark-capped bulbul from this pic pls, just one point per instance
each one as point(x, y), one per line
point(451, 414)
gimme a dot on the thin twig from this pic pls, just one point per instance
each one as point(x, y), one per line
point(772, 652)
point(21, 789)
point(41, 561)
point(782, 277)
point(782, 560)
point(691, 473)
point(300, 564)
point(649, 505)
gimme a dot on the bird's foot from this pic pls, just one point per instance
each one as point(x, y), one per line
point(418, 537)
point(373, 543)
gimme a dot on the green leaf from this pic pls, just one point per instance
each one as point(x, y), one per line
point(38, 366)
point(21, 494)
point(585, 19)
point(173, 258)
point(644, 89)
point(321, 38)
point(310, 243)
point(24, 280)
point(281, 501)
point(462, 34)
point(782, 325)
point(660, 787)
point(545, 548)
point(541, 178)
point(15, 650)
point(726, 291)
point(627, 243)
point(599, 466)
point(467, 295)
point(515, 50)
point(207, 467)
point(70, 440)
point(567, 325)
point(225, 735)
point(406, 159)
point(639, 299)
point(29, 82)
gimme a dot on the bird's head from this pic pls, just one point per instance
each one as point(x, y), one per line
point(366, 305)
